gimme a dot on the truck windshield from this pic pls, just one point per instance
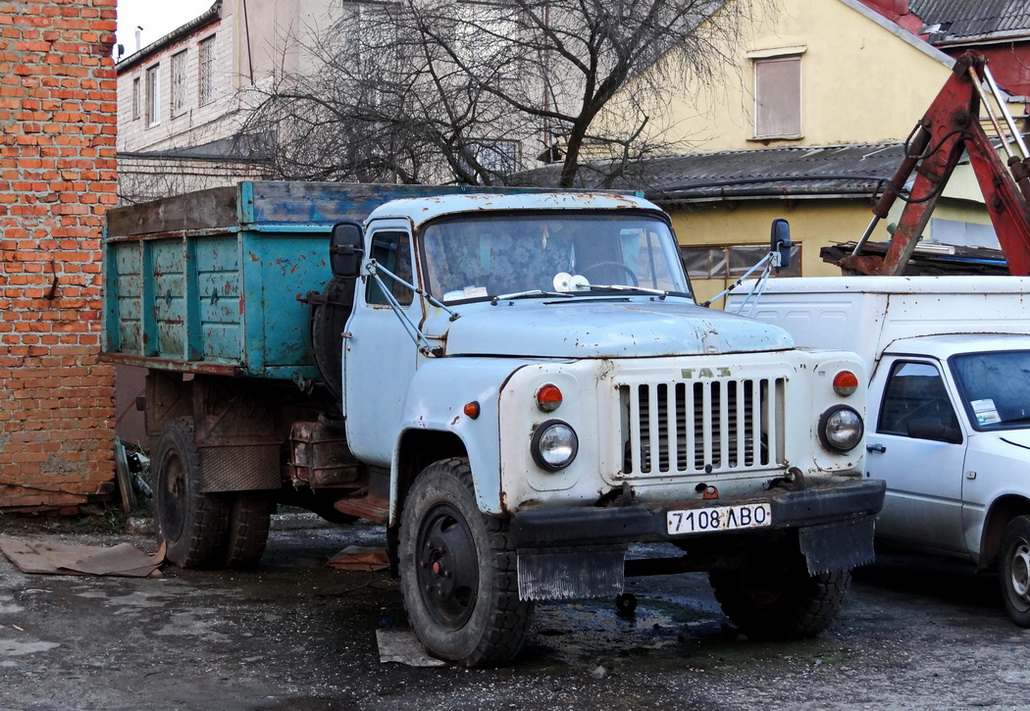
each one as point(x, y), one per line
point(995, 387)
point(482, 256)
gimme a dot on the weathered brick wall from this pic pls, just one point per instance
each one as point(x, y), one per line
point(57, 177)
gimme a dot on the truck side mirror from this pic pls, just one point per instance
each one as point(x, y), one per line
point(346, 249)
point(779, 242)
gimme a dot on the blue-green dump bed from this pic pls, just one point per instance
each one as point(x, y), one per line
point(212, 281)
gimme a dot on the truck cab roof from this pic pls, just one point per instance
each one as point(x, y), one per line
point(422, 209)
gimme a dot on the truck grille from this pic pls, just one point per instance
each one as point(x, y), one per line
point(696, 427)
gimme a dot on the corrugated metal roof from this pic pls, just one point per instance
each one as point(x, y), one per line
point(856, 170)
point(974, 18)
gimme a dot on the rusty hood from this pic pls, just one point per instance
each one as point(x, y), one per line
point(591, 327)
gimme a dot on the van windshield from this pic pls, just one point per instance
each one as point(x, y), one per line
point(995, 387)
point(482, 256)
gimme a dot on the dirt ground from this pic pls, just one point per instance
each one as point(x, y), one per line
point(296, 634)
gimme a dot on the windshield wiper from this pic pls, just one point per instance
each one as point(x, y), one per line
point(526, 294)
point(624, 287)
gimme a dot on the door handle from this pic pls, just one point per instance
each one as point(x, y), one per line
point(879, 448)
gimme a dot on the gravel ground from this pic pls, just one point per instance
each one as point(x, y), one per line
point(296, 634)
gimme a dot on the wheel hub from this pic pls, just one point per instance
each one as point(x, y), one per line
point(447, 568)
point(1020, 572)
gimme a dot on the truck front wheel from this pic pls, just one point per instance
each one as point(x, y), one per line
point(1014, 570)
point(458, 571)
point(772, 596)
point(191, 524)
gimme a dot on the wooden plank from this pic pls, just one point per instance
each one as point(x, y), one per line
point(202, 209)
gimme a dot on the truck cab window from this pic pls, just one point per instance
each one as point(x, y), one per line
point(392, 250)
point(915, 391)
point(479, 256)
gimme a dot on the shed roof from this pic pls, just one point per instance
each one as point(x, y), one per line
point(853, 170)
point(974, 19)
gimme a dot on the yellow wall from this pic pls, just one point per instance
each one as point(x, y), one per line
point(860, 82)
point(813, 224)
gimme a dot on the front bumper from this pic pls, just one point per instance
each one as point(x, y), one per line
point(580, 552)
point(646, 522)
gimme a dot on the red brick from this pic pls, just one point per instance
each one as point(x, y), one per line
point(57, 103)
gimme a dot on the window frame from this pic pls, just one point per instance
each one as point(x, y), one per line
point(136, 103)
point(770, 114)
point(728, 271)
point(152, 100)
point(398, 242)
point(888, 396)
point(206, 70)
point(179, 100)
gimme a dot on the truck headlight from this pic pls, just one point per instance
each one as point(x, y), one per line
point(841, 428)
point(554, 445)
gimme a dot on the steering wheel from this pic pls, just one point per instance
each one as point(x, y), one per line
point(629, 272)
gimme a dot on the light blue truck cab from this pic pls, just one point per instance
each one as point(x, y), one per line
point(519, 384)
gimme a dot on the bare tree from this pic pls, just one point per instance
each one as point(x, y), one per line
point(474, 91)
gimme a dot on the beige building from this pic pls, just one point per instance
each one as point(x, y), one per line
point(807, 78)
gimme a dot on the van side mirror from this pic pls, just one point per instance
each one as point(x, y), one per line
point(779, 243)
point(346, 249)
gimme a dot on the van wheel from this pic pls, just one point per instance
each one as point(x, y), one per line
point(774, 597)
point(249, 518)
point(1014, 570)
point(193, 525)
point(458, 571)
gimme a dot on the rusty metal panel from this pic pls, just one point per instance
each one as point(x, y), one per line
point(319, 456)
point(240, 468)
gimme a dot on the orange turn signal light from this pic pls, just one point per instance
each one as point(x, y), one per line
point(845, 383)
point(548, 398)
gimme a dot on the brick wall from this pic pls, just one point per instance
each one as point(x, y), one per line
point(57, 177)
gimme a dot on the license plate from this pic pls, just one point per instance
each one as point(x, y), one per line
point(719, 518)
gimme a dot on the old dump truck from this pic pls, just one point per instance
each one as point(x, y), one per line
point(518, 384)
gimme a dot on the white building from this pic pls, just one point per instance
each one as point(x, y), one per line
point(181, 99)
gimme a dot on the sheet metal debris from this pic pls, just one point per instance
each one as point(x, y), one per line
point(46, 558)
point(402, 646)
point(360, 558)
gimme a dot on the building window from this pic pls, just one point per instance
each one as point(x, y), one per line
point(777, 96)
point(179, 99)
point(153, 98)
point(206, 70)
point(135, 98)
point(733, 260)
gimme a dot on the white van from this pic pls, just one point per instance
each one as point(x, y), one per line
point(948, 361)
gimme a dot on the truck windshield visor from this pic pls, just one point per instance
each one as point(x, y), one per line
point(478, 257)
point(995, 387)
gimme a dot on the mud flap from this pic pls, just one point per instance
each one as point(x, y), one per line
point(570, 573)
point(837, 546)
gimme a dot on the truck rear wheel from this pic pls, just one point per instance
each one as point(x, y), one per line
point(193, 525)
point(1014, 570)
point(249, 518)
point(458, 571)
point(774, 597)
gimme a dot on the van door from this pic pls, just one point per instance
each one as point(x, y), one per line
point(918, 449)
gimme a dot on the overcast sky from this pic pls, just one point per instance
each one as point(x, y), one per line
point(156, 17)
